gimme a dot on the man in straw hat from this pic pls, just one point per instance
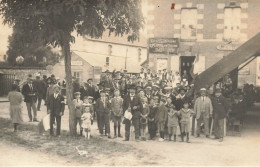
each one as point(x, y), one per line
point(203, 110)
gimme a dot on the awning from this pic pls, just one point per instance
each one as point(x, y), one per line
point(249, 49)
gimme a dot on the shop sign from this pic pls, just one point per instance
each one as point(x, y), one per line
point(163, 45)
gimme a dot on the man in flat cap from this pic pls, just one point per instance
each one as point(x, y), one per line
point(56, 109)
point(30, 96)
point(220, 109)
point(203, 110)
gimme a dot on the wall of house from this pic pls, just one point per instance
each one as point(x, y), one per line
point(83, 68)
point(120, 56)
point(210, 27)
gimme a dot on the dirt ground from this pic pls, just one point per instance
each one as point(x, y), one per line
point(235, 150)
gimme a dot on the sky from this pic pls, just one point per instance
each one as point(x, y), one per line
point(5, 31)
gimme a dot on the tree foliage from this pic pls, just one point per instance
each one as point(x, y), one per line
point(53, 21)
point(22, 44)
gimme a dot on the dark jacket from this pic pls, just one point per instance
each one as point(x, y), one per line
point(83, 92)
point(152, 114)
point(30, 95)
point(57, 105)
point(102, 109)
point(162, 114)
point(135, 102)
point(90, 90)
point(40, 86)
point(220, 107)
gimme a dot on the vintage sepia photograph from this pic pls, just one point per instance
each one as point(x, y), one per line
point(129, 82)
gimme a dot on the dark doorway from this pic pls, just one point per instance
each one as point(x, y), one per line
point(186, 64)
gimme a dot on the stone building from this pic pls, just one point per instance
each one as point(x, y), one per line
point(210, 29)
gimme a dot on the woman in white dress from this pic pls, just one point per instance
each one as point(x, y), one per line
point(15, 98)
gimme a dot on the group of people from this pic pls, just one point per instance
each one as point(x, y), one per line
point(161, 102)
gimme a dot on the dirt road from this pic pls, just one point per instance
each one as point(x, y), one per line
point(235, 150)
point(16, 155)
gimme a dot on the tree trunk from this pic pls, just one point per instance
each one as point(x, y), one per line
point(69, 86)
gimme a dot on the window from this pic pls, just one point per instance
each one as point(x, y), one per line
point(232, 23)
point(107, 61)
point(139, 54)
point(188, 23)
point(76, 74)
point(109, 50)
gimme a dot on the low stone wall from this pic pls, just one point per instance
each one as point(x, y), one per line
point(23, 74)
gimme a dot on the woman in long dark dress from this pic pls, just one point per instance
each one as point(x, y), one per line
point(15, 98)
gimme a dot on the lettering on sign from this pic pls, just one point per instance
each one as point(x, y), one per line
point(74, 63)
point(163, 45)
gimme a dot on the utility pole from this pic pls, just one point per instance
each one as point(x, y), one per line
point(126, 57)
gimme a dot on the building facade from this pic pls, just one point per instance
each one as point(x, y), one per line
point(206, 29)
point(114, 53)
point(83, 67)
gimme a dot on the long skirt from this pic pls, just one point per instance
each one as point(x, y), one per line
point(16, 113)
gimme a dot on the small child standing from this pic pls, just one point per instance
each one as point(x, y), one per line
point(161, 118)
point(117, 111)
point(77, 110)
point(143, 119)
point(185, 114)
point(151, 119)
point(172, 122)
point(86, 121)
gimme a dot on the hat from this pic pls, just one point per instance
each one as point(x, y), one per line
point(90, 97)
point(148, 87)
point(106, 71)
point(90, 79)
point(156, 97)
point(118, 72)
point(140, 90)
point(168, 88)
point(131, 87)
point(203, 89)
point(77, 93)
point(157, 86)
point(18, 80)
point(102, 91)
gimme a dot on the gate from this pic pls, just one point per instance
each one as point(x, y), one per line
point(6, 81)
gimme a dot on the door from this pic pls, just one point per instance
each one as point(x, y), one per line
point(186, 63)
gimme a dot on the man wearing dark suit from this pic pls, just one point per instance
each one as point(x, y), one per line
point(103, 112)
point(134, 102)
point(90, 88)
point(29, 91)
point(40, 86)
point(56, 110)
point(83, 91)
